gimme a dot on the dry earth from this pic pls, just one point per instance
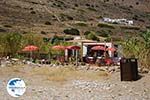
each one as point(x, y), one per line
point(103, 87)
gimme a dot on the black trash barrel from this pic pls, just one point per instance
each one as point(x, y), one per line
point(128, 69)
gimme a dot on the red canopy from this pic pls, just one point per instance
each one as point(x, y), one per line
point(98, 48)
point(58, 47)
point(73, 47)
point(30, 48)
point(111, 49)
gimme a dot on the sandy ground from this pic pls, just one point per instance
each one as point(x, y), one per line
point(105, 88)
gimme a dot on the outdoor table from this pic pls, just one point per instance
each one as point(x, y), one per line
point(108, 61)
point(100, 61)
point(91, 60)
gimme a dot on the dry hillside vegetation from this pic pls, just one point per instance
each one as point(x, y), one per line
point(53, 16)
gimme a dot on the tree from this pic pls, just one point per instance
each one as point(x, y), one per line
point(132, 48)
point(92, 36)
point(12, 43)
point(146, 38)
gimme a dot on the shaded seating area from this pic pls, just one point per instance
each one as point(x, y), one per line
point(96, 55)
point(99, 55)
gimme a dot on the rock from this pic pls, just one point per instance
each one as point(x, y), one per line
point(145, 70)
point(103, 68)
point(111, 69)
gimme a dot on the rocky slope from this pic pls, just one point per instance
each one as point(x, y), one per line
point(53, 16)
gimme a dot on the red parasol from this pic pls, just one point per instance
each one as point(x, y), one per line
point(30, 48)
point(58, 47)
point(111, 49)
point(73, 47)
point(98, 48)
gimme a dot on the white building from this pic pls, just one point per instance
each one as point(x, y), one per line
point(118, 21)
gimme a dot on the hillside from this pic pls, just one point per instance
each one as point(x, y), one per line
point(53, 16)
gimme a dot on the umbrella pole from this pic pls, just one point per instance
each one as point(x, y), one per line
point(31, 56)
point(76, 57)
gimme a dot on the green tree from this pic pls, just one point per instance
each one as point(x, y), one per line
point(92, 36)
point(12, 43)
point(145, 52)
point(131, 47)
point(146, 38)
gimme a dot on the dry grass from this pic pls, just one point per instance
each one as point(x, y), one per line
point(67, 73)
point(53, 74)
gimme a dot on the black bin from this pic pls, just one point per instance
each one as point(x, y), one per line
point(128, 69)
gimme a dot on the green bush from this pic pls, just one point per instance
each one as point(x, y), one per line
point(92, 36)
point(92, 9)
point(104, 25)
point(87, 32)
point(81, 24)
point(11, 43)
point(138, 48)
point(65, 17)
point(103, 33)
point(57, 40)
point(130, 27)
point(72, 31)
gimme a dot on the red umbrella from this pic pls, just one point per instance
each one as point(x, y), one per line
point(30, 48)
point(98, 48)
point(111, 49)
point(73, 47)
point(58, 47)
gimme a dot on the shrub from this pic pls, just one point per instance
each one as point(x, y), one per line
point(11, 43)
point(31, 8)
point(72, 31)
point(48, 23)
point(104, 25)
point(92, 36)
point(92, 9)
point(76, 5)
point(66, 17)
point(139, 48)
point(33, 12)
point(46, 39)
point(103, 33)
point(106, 0)
point(9, 26)
point(137, 3)
point(2, 30)
point(88, 5)
point(131, 6)
point(135, 17)
point(87, 32)
point(43, 32)
point(56, 40)
point(130, 27)
point(81, 24)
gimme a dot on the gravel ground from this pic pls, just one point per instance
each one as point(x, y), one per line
point(107, 88)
